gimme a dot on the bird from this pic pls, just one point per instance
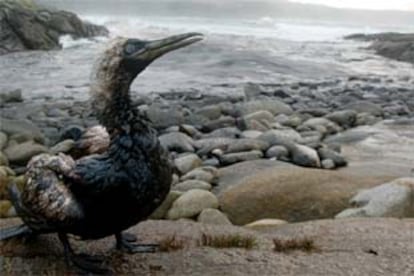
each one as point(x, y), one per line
point(103, 194)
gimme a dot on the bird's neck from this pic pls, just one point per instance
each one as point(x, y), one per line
point(118, 114)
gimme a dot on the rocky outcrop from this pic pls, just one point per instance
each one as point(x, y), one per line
point(397, 46)
point(26, 26)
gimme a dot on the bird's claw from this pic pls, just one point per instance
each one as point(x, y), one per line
point(132, 248)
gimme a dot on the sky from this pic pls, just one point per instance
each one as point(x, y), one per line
point(405, 5)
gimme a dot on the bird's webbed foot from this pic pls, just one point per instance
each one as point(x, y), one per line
point(127, 243)
point(86, 263)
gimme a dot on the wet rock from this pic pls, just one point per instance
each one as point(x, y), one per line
point(190, 130)
point(213, 216)
point(282, 137)
point(222, 122)
point(64, 146)
point(241, 145)
point(187, 163)
point(278, 152)
point(191, 185)
point(344, 118)
point(251, 134)
point(12, 127)
point(393, 199)
point(328, 164)
point(366, 119)
point(322, 125)
point(365, 107)
point(227, 132)
point(326, 153)
point(265, 224)
point(162, 210)
point(212, 112)
point(177, 141)
point(205, 146)
point(274, 106)
point(305, 156)
point(26, 26)
point(231, 158)
point(262, 117)
point(3, 159)
point(22, 153)
point(3, 140)
point(213, 161)
point(14, 96)
point(191, 204)
point(202, 174)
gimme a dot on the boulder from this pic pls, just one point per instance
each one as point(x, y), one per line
point(3, 140)
point(26, 26)
point(213, 216)
point(161, 211)
point(21, 127)
point(305, 156)
point(393, 199)
point(191, 204)
point(188, 162)
point(344, 118)
point(20, 154)
point(289, 193)
point(177, 141)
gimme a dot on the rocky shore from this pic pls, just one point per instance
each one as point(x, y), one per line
point(398, 46)
point(27, 26)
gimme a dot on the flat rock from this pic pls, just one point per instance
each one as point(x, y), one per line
point(191, 204)
point(376, 246)
point(265, 224)
point(393, 199)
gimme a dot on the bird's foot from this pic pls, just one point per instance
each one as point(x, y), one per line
point(125, 243)
point(87, 263)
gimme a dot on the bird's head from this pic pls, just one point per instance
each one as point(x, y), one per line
point(126, 58)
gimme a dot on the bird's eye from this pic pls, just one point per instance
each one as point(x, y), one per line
point(129, 49)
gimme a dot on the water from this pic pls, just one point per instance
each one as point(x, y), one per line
point(237, 50)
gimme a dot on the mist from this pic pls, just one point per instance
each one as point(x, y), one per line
point(230, 9)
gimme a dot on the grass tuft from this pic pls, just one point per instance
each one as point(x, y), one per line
point(228, 241)
point(303, 244)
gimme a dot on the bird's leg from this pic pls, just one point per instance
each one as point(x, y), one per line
point(129, 237)
point(123, 243)
point(85, 262)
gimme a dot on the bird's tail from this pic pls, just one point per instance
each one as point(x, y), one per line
point(14, 232)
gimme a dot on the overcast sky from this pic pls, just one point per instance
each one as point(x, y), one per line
point(405, 5)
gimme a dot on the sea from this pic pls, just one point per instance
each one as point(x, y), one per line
point(240, 48)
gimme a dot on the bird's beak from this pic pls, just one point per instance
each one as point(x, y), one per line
point(157, 48)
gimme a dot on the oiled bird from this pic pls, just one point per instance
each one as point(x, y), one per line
point(103, 194)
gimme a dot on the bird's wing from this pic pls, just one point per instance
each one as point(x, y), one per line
point(94, 140)
point(46, 202)
point(96, 174)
